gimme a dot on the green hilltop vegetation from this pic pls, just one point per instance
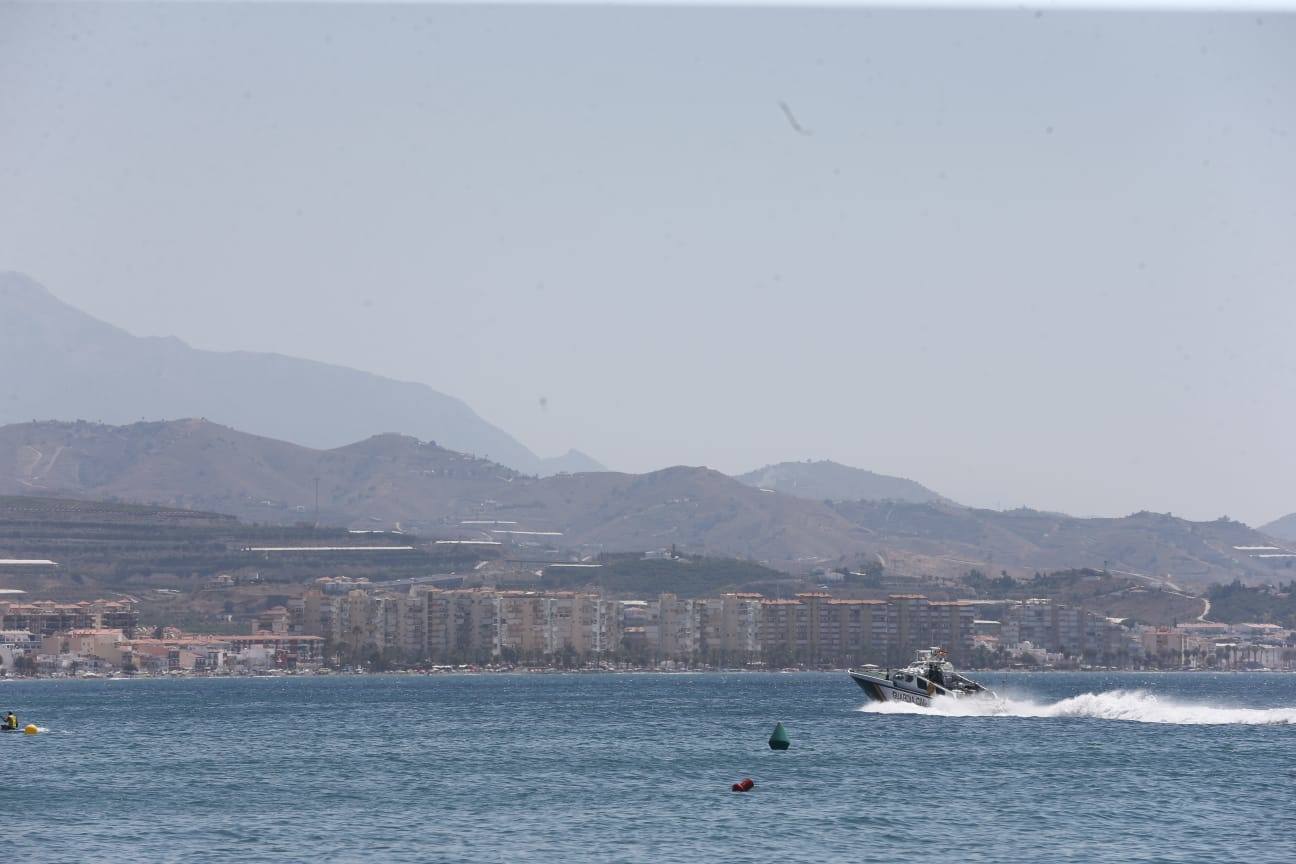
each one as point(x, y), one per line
point(1110, 594)
point(1236, 603)
point(1072, 586)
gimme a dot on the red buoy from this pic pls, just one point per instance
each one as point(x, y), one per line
point(744, 785)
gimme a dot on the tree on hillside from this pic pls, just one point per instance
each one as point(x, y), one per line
point(999, 587)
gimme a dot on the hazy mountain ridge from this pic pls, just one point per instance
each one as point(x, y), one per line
point(389, 479)
point(571, 462)
point(831, 481)
point(1158, 548)
point(57, 362)
point(695, 508)
point(1284, 528)
point(202, 465)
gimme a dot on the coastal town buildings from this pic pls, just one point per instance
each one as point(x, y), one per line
point(44, 617)
point(357, 623)
point(484, 625)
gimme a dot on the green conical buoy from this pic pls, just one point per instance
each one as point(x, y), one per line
point(780, 740)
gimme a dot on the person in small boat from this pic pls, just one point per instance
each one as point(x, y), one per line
point(935, 675)
point(10, 721)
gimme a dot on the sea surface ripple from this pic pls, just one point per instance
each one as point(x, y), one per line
point(1091, 767)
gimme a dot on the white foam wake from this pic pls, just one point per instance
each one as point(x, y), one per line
point(1138, 706)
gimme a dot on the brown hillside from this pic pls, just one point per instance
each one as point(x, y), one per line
point(390, 479)
point(1157, 548)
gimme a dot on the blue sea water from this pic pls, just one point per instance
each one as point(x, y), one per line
point(1066, 767)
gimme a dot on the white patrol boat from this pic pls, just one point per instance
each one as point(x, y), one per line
point(928, 677)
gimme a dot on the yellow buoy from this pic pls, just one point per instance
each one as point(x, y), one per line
point(30, 729)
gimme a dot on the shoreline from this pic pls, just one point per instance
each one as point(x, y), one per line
point(482, 672)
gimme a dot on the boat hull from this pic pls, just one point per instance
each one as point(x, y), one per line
point(882, 690)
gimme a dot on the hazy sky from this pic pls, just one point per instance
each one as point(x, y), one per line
point(1043, 259)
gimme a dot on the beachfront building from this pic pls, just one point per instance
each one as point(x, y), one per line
point(855, 632)
point(276, 619)
point(1164, 646)
point(740, 628)
point(104, 644)
point(533, 624)
point(678, 628)
point(45, 617)
point(15, 644)
point(784, 632)
point(106, 650)
point(463, 626)
point(273, 650)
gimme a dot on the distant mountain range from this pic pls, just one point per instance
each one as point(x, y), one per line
point(387, 480)
point(830, 481)
point(57, 362)
point(391, 479)
point(1161, 550)
point(1283, 528)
